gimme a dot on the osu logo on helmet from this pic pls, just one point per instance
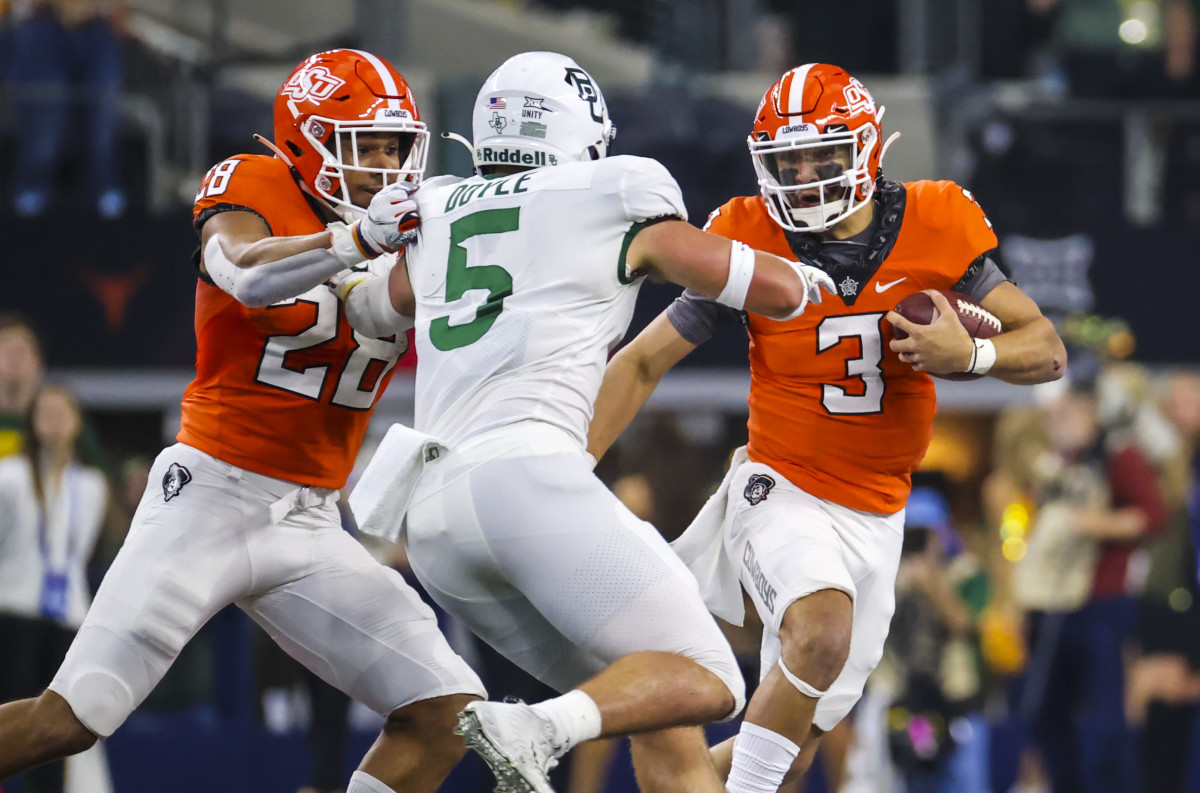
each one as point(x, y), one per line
point(816, 147)
point(326, 103)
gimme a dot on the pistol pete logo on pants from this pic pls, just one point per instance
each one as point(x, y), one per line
point(758, 488)
point(174, 479)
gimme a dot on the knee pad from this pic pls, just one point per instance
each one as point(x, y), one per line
point(804, 688)
point(99, 681)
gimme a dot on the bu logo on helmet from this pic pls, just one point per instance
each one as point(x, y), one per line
point(315, 83)
point(587, 90)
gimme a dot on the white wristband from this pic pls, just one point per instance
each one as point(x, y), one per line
point(345, 244)
point(741, 273)
point(983, 358)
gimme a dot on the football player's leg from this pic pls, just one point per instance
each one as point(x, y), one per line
point(183, 560)
point(801, 559)
point(356, 624)
point(673, 760)
point(609, 583)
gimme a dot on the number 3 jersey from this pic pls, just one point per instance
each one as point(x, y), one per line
point(285, 390)
point(832, 408)
point(522, 290)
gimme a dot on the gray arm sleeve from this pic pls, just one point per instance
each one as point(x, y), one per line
point(981, 278)
point(271, 282)
point(698, 318)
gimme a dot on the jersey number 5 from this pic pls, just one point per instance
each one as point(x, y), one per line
point(462, 278)
point(865, 328)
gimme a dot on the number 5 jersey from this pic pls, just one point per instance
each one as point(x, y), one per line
point(522, 290)
point(285, 390)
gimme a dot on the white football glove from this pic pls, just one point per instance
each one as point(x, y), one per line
point(387, 227)
point(814, 279)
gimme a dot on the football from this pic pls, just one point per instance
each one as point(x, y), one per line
point(979, 322)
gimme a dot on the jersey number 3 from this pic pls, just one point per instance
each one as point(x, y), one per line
point(462, 278)
point(865, 328)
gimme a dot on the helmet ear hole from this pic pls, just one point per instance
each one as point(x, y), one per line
point(293, 148)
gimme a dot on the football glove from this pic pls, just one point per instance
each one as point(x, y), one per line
point(814, 279)
point(390, 222)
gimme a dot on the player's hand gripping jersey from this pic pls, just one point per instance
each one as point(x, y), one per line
point(285, 390)
point(514, 325)
point(831, 407)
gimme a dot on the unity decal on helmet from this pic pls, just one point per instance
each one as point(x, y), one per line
point(587, 90)
point(314, 83)
point(174, 479)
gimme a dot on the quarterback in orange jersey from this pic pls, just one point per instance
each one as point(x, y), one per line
point(242, 509)
point(810, 517)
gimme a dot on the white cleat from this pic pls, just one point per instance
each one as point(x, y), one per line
point(515, 740)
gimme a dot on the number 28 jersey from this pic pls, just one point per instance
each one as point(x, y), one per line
point(522, 290)
point(832, 408)
point(285, 390)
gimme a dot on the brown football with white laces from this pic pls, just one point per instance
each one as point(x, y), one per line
point(980, 323)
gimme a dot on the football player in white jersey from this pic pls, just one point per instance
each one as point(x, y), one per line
point(521, 280)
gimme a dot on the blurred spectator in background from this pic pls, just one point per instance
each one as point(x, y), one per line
point(1165, 682)
point(21, 369)
point(1097, 499)
point(1116, 49)
point(51, 508)
point(926, 698)
point(65, 56)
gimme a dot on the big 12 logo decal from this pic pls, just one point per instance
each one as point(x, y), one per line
point(315, 83)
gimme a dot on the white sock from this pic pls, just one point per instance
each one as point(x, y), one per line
point(760, 759)
point(574, 715)
point(362, 782)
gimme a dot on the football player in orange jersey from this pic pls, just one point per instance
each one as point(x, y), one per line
point(810, 516)
point(242, 509)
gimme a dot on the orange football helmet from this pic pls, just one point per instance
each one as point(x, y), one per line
point(816, 147)
point(326, 102)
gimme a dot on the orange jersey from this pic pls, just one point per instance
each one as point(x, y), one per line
point(285, 390)
point(832, 408)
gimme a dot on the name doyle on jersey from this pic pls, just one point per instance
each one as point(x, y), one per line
point(468, 192)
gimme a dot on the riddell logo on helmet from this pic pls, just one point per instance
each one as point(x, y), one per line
point(516, 157)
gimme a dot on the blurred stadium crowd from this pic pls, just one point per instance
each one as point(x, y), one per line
point(1047, 634)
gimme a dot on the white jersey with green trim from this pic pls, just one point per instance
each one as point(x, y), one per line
point(522, 290)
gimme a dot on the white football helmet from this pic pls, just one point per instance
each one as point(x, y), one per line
point(540, 108)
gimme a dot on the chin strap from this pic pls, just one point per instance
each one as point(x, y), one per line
point(891, 139)
point(348, 214)
point(278, 152)
point(462, 140)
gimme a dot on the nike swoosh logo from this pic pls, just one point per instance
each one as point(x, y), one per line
point(884, 287)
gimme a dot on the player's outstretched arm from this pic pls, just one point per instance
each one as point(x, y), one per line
point(1029, 350)
point(630, 379)
point(378, 299)
point(730, 273)
point(241, 256)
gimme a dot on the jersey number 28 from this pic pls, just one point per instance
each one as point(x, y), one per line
point(358, 381)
